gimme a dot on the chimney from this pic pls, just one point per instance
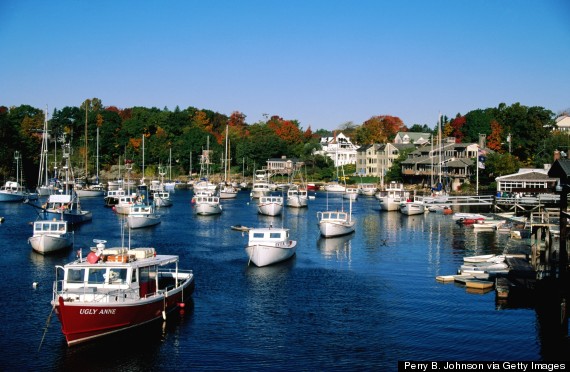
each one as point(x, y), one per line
point(556, 155)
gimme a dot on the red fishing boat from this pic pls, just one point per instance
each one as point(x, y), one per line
point(115, 289)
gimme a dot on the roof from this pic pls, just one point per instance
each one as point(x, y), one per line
point(560, 169)
point(530, 175)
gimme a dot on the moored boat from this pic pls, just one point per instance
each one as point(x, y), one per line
point(367, 189)
point(50, 236)
point(112, 197)
point(267, 246)
point(391, 197)
point(336, 223)
point(297, 197)
point(270, 205)
point(114, 289)
point(412, 207)
point(142, 215)
point(207, 205)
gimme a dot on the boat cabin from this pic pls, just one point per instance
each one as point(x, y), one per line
point(268, 235)
point(271, 199)
point(116, 275)
point(50, 227)
point(333, 215)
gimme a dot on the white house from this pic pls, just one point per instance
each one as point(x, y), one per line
point(563, 123)
point(339, 148)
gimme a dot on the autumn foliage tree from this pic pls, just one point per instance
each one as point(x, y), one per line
point(457, 128)
point(379, 129)
point(494, 139)
point(287, 130)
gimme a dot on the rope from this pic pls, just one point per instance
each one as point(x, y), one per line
point(46, 327)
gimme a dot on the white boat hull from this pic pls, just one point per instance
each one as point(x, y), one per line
point(137, 222)
point(89, 193)
point(336, 228)
point(390, 204)
point(207, 209)
point(263, 255)
point(270, 209)
point(47, 243)
point(412, 208)
point(297, 201)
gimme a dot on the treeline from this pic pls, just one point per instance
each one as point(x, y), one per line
point(185, 133)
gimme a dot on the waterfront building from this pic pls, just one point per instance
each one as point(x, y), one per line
point(339, 148)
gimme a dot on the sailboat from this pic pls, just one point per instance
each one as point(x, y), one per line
point(96, 189)
point(13, 191)
point(227, 191)
point(66, 206)
point(335, 185)
point(44, 188)
point(141, 213)
point(204, 183)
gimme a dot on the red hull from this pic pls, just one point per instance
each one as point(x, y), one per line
point(82, 322)
point(312, 187)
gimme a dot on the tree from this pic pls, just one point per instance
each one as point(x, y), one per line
point(379, 129)
point(494, 139)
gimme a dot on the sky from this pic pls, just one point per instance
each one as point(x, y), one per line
point(323, 63)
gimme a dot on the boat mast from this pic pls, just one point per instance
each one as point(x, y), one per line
point(86, 141)
point(226, 158)
point(97, 179)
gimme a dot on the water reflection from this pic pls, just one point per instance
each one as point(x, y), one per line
point(336, 248)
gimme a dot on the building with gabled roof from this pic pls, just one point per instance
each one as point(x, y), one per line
point(415, 138)
point(339, 148)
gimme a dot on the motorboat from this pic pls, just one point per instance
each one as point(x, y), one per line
point(124, 204)
point(50, 236)
point(488, 224)
point(334, 187)
point(336, 223)
point(12, 191)
point(115, 289)
point(227, 191)
point(112, 197)
point(162, 198)
point(391, 197)
point(260, 189)
point(412, 207)
point(270, 205)
point(66, 207)
point(91, 191)
point(142, 215)
point(297, 197)
point(269, 245)
point(207, 205)
point(367, 189)
point(350, 193)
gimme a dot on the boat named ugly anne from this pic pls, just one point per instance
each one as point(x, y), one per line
point(115, 289)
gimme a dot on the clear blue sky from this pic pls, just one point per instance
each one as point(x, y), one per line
point(321, 62)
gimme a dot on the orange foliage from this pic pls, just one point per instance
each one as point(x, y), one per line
point(126, 114)
point(285, 129)
point(161, 133)
point(113, 109)
point(381, 129)
point(494, 139)
point(135, 142)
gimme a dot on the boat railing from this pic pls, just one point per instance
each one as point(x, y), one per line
point(93, 294)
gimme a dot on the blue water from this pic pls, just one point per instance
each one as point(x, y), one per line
point(364, 301)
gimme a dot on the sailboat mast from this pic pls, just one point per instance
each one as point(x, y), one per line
point(226, 157)
point(97, 179)
point(86, 141)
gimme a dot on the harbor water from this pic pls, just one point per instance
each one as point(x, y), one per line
point(364, 301)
